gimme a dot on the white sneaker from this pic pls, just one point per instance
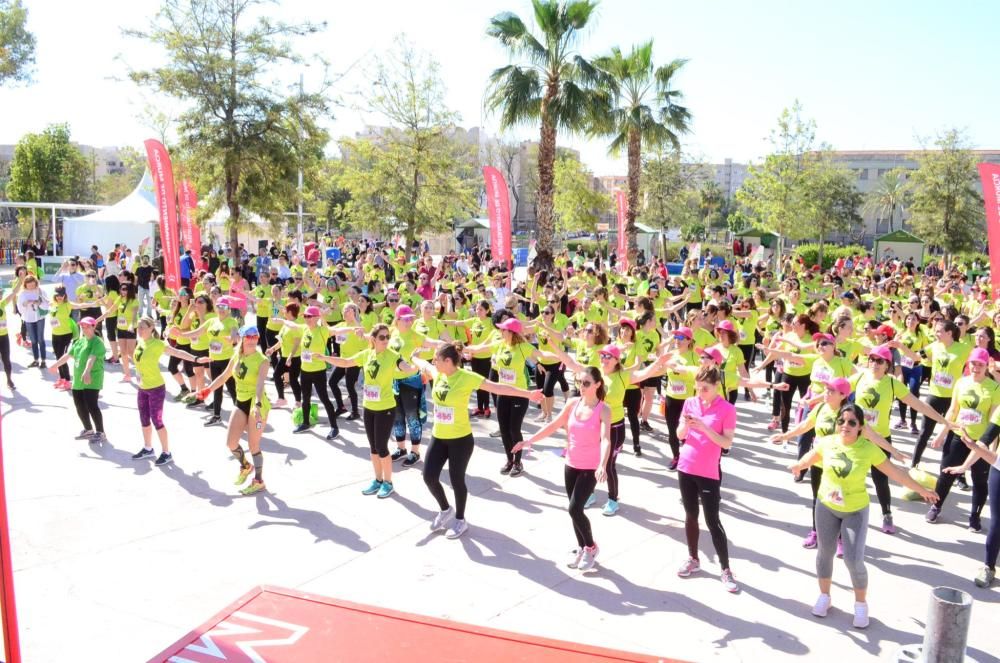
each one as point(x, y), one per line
point(577, 554)
point(822, 606)
point(457, 528)
point(441, 520)
point(691, 565)
point(860, 615)
point(588, 559)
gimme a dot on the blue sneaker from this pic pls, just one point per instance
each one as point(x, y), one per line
point(590, 501)
point(385, 490)
point(372, 488)
point(611, 508)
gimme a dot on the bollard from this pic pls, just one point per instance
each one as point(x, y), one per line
point(947, 631)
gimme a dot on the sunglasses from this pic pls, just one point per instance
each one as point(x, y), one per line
point(381, 337)
point(877, 360)
point(853, 423)
point(823, 344)
point(680, 337)
point(588, 330)
point(586, 383)
point(605, 355)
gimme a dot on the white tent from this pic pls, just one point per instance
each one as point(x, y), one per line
point(253, 228)
point(129, 222)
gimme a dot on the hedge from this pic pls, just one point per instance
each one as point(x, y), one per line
point(831, 253)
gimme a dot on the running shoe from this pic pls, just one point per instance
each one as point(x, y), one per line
point(860, 615)
point(810, 540)
point(729, 582)
point(192, 402)
point(985, 577)
point(457, 528)
point(384, 490)
point(517, 470)
point(637, 450)
point(913, 429)
point(840, 547)
point(353, 415)
point(575, 556)
point(507, 467)
point(33, 364)
point(254, 486)
point(933, 513)
point(411, 459)
point(588, 560)
point(975, 523)
point(214, 420)
point(773, 425)
point(84, 435)
point(590, 501)
point(184, 393)
point(486, 413)
point(42, 364)
point(887, 525)
point(301, 428)
point(164, 459)
point(822, 605)
point(281, 402)
point(900, 425)
point(372, 488)
point(245, 471)
point(398, 454)
point(10, 385)
point(963, 484)
point(341, 410)
point(476, 413)
point(334, 432)
point(644, 425)
point(144, 454)
point(440, 522)
point(691, 565)
point(98, 438)
point(496, 433)
point(611, 508)
point(673, 464)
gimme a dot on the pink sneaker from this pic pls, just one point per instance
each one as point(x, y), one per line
point(773, 425)
point(281, 402)
point(810, 540)
point(66, 385)
point(840, 548)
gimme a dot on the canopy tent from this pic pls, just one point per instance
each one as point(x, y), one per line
point(754, 237)
point(253, 229)
point(646, 238)
point(129, 221)
point(900, 245)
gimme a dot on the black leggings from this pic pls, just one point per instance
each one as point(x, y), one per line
point(940, 405)
point(954, 453)
point(674, 407)
point(316, 379)
point(293, 367)
point(881, 482)
point(456, 452)
point(352, 380)
point(217, 368)
point(580, 485)
point(554, 374)
point(378, 428)
point(774, 378)
point(633, 400)
point(87, 408)
point(5, 354)
point(510, 414)
point(482, 367)
point(798, 383)
point(708, 491)
point(993, 535)
point(174, 364)
point(617, 441)
point(60, 343)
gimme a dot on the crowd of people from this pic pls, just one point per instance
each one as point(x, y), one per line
point(424, 345)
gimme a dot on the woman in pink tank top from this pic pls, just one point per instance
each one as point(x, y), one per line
point(587, 420)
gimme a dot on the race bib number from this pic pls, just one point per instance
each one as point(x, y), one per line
point(779, 365)
point(215, 347)
point(55, 323)
point(507, 376)
point(871, 416)
point(823, 375)
point(372, 392)
point(444, 415)
point(943, 380)
point(307, 356)
point(835, 497)
point(969, 417)
point(122, 323)
point(906, 362)
point(743, 335)
point(340, 339)
point(678, 388)
point(3, 324)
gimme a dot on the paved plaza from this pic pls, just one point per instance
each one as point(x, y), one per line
point(115, 559)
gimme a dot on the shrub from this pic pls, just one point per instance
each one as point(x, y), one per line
point(831, 253)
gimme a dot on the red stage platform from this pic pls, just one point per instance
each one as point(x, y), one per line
point(276, 625)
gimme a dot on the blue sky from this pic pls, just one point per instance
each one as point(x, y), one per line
point(874, 74)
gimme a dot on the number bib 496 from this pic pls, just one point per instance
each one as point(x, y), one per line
point(507, 376)
point(969, 417)
point(444, 415)
point(373, 393)
point(943, 380)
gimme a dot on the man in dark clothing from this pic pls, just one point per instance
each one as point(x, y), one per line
point(187, 268)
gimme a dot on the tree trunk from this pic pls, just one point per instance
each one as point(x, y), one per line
point(232, 181)
point(544, 201)
point(634, 171)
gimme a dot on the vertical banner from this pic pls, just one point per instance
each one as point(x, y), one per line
point(989, 173)
point(694, 252)
point(163, 182)
point(498, 207)
point(190, 232)
point(621, 202)
point(758, 255)
point(8, 611)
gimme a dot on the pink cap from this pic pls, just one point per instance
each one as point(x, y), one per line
point(882, 352)
point(725, 325)
point(404, 312)
point(839, 384)
point(612, 350)
point(628, 322)
point(685, 332)
point(89, 321)
point(977, 354)
point(512, 325)
point(713, 354)
point(824, 337)
point(224, 300)
point(312, 312)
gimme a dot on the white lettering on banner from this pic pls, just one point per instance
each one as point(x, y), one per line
point(231, 627)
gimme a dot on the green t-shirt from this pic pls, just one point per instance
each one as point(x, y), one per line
point(824, 371)
point(220, 333)
point(824, 420)
point(314, 343)
point(511, 364)
point(128, 315)
point(60, 320)
point(349, 341)
point(704, 338)
point(480, 331)
point(586, 354)
point(615, 386)
point(81, 350)
point(732, 359)
point(946, 365)
point(646, 342)
point(147, 362)
point(200, 342)
point(264, 308)
point(747, 328)
point(404, 343)
point(163, 298)
point(450, 394)
point(245, 374)
point(287, 337)
point(845, 469)
point(680, 384)
point(380, 369)
point(975, 401)
point(432, 329)
point(806, 367)
point(876, 398)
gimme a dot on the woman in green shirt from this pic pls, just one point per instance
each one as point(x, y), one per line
point(200, 312)
point(351, 340)
point(842, 506)
point(128, 318)
point(62, 332)
point(479, 330)
point(87, 353)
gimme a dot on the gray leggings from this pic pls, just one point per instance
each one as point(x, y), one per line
point(852, 528)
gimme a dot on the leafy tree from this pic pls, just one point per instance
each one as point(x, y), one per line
point(947, 209)
point(115, 186)
point(47, 167)
point(504, 155)
point(577, 205)
point(669, 189)
point(642, 109)
point(552, 87)
point(17, 44)
point(243, 137)
point(711, 202)
point(830, 200)
point(891, 195)
point(329, 197)
point(417, 174)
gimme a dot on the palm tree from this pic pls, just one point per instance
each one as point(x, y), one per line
point(552, 86)
point(642, 109)
point(892, 193)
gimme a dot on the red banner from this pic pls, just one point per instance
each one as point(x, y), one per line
point(498, 206)
point(989, 173)
point(8, 612)
point(190, 232)
point(622, 203)
point(163, 181)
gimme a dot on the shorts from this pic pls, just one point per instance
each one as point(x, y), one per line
point(125, 335)
point(112, 328)
point(199, 353)
point(244, 407)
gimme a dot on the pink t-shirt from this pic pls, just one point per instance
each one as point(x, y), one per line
point(426, 291)
point(699, 455)
point(583, 452)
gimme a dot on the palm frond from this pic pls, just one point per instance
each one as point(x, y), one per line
point(516, 93)
point(576, 13)
point(510, 30)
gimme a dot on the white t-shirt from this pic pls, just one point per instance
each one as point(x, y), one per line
point(28, 303)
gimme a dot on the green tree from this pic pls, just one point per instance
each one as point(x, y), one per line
point(17, 44)
point(243, 137)
point(891, 195)
point(329, 197)
point(419, 173)
point(47, 167)
point(115, 186)
point(711, 203)
point(947, 209)
point(830, 200)
point(552, 87)
point(643, 109)
point(669, 189)
point(577, 205)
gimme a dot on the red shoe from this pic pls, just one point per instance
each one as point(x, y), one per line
point(476, 413)
point(486, 413)
point(64, 385)
point(773, 425)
